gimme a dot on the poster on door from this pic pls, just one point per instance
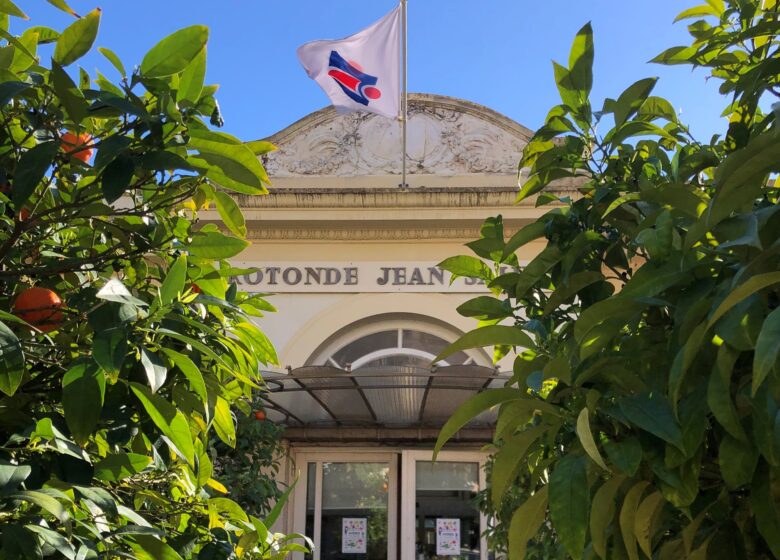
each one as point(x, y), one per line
point(353, 535)
point(447, 537)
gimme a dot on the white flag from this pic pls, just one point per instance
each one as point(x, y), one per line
point(361, 72)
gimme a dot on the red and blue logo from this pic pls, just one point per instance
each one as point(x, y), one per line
point(359, 86)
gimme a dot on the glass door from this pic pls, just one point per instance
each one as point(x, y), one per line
point(440, 519)
point(350, 501)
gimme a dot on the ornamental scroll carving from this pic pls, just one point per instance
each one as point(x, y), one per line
point(443, 139)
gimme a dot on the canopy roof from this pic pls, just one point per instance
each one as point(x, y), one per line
point(386, 397)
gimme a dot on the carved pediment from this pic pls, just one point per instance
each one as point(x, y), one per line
point(446, 137)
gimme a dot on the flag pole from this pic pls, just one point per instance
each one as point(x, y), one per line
point(404, 107)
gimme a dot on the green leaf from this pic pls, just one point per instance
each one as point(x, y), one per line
point(11, 476)
point(70, 95)
point(765, 509)
point(523, 236)
point(576, 282)
point(11, 361)
point(632, 98)
point(191, 80)
point(278, 508)
point(740, 177)
point(260, 147)
point(626, 455)
point(114, 60)
point(684, 360)
point(117, 467)
point(652, 413)
point(230, 213)
point(62, 5)
point(8, 7)
point(491, 335)
point(190, 371)
point(215, 245)
point(628, 515)
point(9, 90)
point(645, 521)
point(83, 392)
point(223, 422)
point(174, 53)
point(485, 308)
point(738, 461)
point(148, 547)
point(526, 521)
point(173, 285)
point(464, 265)
point(109, 349)
point(748, 288)
point(30, 172)
point(171, 422)
point(767, 350)
point(155, 369)
point(587, 441)
point(116, 177)
point(697, 11)
point(535, 271)
point(77, 38)
point(719, 393)
point(581, 61)
point(510, 459)
point(570, 503)
point(601, 513)
point(234, 158)
point(43, 501)
point(472, 408)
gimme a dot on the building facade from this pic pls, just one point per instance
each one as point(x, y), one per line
point(351, 257)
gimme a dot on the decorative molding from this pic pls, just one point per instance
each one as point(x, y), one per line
point(456, 197)
point(366, 233)
point(446, 136)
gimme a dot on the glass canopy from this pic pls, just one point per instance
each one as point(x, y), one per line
point(384, 395)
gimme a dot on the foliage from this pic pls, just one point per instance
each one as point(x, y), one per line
point(643, 410)
point(251, 467)
point(106, 417)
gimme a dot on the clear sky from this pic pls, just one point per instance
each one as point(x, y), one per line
point(494, 52)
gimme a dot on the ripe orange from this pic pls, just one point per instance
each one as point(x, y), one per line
point(196, 289)
point(40, 307)
point(24, 215)
point(70, 141)
point(259, 415)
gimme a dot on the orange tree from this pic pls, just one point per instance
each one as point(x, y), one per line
point(123, 344)
point(644, 410)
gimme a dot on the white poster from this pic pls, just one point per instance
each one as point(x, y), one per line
point(448, 537)
point(353, 535)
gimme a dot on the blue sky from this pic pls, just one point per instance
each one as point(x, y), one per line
point(494, 52)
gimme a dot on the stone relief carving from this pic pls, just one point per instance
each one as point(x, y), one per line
point(443, 139)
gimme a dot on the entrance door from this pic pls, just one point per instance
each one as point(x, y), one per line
point(349, 504)
point(439, 516)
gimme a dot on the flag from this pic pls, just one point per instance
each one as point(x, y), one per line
point(360, 72)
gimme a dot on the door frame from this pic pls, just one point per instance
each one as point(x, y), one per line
point(304, 457)
point(409, 493)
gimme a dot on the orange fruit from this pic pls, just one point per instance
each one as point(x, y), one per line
point(24, 215)
point(196, 289)
point(70, 142)
point(40, 307)
point(259, 415)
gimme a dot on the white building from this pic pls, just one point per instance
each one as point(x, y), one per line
point(362, 312)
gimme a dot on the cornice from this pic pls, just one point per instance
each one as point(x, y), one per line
point(326, 234)
point(460, 197)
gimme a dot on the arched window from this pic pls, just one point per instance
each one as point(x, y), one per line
point(383, 342)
